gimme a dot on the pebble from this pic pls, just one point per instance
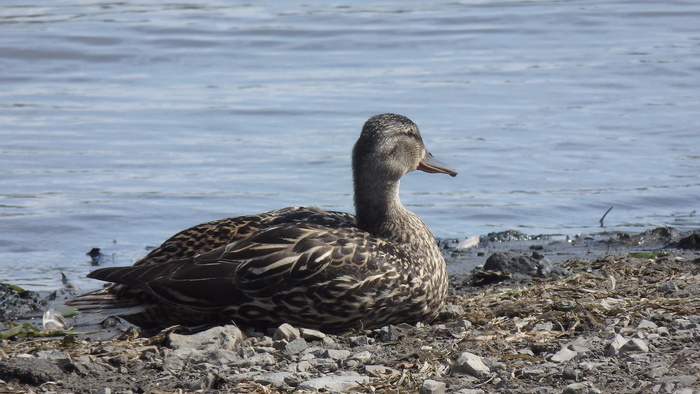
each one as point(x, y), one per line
point(295, 347)
point(278, 379)
point(634, 345)
point(433, 387)
point(615, 344)
point(362, 340)
point(311, 335)
point(459, 325)
point(565, 354)
point(336, 354)
point(286, 332)
point(575, 388)
point(334, 383)
point(379, 370)
point(257, 360)
point(223, 337)
point(471, 364)
point(647, 325)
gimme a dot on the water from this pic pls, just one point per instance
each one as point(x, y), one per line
point(122, 123)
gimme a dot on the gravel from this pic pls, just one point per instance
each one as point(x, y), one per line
point(582, 332)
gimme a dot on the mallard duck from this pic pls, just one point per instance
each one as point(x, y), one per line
point(301, 265)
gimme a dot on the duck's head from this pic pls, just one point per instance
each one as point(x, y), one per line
point(390, 146)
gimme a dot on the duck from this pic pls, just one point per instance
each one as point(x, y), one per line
point(325, 270)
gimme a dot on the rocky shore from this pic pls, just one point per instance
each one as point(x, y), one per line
point(617, 313)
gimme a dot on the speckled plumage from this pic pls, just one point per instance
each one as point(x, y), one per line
point(302, 265)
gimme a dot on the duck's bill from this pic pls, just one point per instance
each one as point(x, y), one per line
point(433, 165)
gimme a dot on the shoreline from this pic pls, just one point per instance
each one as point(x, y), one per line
point(587, 315)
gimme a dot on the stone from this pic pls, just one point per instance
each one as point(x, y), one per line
point(471, 364)
point(261, 359)
point(277, 379)
point(679, 380)
point(530, 372)
point(296, 346)
point(647, 325)
point(615, 344)
point(379, 370)
point(565, 354)
point(389, 333)
point(336, 354)
point(362, 340)
point(222, 337)
point(334, 383)
point(575, 388)
point(656, 371)
point(433, 387)
point(30, 370)
point(519, 263)
point(286, 332)
point(311, 335)
point(544, 326)
point(362, 356)
point(325, 364)
point(634, 345)
point(460, 325)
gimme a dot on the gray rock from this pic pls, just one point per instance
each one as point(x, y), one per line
point(261, 359)
point(470, 391)
point(334, 383)
point(565, 354)
point(296, 346)
point(223, 337)
point(311, 335)
point(680, 380)
point(389, 333)
point(530, 372)
point(362, 356)
point(336, 354)
point(575, 388)
point(471, 364)
point(685, 324)
point(460, 325)
point(30, 370)
point(634, 345)
point(52, 355)
point(615, 344)
point(303, 366)
point(668, 287)
point(647, 325)
point(105, 390)
point(286, 332)
point(362, 340)
point(515, 262)
point(325, 364)
point(570, 373)
point(657, 371)
point(544, 326)
point(277, 379)
point(433, 387)
point(379, 370)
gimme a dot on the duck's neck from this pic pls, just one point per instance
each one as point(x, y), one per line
point(379, 211)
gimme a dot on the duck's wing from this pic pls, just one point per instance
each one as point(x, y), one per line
point(207, 236)
point(276, 260)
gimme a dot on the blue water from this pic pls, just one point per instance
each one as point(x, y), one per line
point(123, 123)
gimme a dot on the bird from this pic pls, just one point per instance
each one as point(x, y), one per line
point(325, 270)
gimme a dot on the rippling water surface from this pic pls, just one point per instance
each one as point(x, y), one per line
point(122, 123)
